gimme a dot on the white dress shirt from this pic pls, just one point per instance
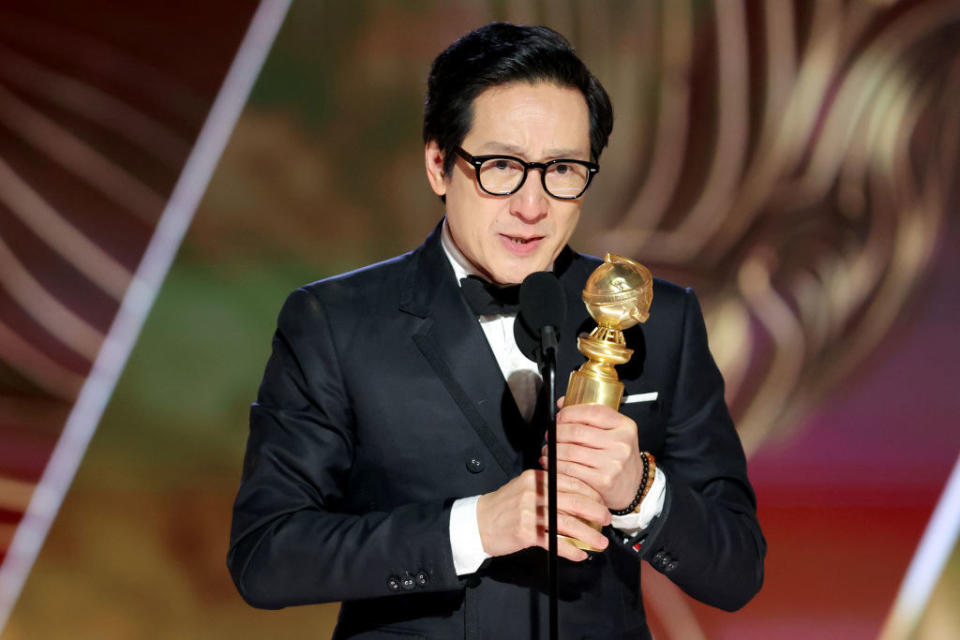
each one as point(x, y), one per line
point(523, 379)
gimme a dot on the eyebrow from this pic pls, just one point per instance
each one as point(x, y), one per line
point(506, 147)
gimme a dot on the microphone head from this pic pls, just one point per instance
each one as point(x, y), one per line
point(542, 304)
point(528, 343)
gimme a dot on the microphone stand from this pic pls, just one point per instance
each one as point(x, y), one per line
point(548, 349)
point(541, 314)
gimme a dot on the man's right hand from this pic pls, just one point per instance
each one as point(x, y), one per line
point(514, 516)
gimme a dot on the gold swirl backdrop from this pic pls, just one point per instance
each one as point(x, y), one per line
point(796, 162)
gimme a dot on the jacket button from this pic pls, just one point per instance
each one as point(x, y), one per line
point(422, 578)
point(408, 583)
point(393, 583)
point(670, 566)
point(659, 557)
point(475, 464)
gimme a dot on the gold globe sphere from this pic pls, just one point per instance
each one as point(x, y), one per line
point(618, 293)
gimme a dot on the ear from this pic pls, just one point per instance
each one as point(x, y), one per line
point(433, 158)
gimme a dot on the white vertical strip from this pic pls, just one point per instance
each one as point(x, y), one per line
point(177, 215)
point(934, 550)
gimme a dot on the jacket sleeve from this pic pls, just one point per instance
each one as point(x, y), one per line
point(707, 539)
point(292, 540)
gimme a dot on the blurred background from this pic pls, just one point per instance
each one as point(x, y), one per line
point(796, 162)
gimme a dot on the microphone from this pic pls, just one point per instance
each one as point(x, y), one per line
point(542, 311)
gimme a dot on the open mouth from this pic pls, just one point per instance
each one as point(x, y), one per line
point(522, 241)
point(521, 245)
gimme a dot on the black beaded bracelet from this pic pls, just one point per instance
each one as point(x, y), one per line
point(640, 492)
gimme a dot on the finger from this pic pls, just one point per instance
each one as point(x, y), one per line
point(599, 479)
point(569, 484)
point(575, 528)
point(577, 498)
point(597, 415)
point(565, 548)
point(560, 401)
point(582, 507)
point(589, 457)
point(575, 470)
point(572, 527)
point(538, 480)
point(585, 434)
point(565, 484)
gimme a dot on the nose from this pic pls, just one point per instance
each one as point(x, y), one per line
point(531, 202)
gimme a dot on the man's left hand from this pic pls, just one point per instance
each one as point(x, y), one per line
point(598, 446)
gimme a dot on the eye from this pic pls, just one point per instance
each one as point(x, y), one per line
point(562, 169)
point(501, 164)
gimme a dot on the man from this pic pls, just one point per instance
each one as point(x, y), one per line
point(395, 459)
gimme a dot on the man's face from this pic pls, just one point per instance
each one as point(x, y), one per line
point(509, 237)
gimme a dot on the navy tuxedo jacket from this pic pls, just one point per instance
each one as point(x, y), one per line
point(382, 403)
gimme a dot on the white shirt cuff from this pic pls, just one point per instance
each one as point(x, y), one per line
point(633, 523)
point(465, 542)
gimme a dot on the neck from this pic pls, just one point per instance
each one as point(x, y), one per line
point(462, 266)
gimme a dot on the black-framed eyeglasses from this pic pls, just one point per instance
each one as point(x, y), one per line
point(503, 175)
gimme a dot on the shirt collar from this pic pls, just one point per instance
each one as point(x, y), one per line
point(461, 266)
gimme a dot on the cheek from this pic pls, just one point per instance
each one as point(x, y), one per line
point(484, 221)
point(567, 221)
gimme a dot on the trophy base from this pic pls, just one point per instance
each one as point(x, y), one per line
point(580, 544)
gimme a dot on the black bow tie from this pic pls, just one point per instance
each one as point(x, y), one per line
point(487, 299)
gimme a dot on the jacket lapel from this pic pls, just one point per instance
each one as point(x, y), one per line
point(452, 341)
point(454, 345)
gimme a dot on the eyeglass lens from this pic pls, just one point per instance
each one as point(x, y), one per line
point(503, 175)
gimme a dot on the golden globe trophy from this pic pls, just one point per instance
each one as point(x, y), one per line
point(617, 295)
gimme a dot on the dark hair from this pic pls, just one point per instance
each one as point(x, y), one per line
point(497, 54)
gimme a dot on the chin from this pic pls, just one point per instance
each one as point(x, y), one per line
point(516, 276)
point(515, 271)
point(506, 276)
